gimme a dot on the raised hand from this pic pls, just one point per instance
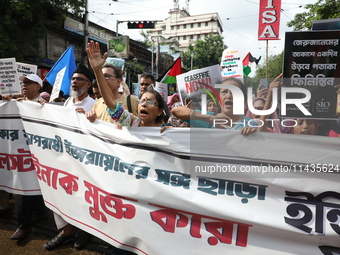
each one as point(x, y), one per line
point(93, 53)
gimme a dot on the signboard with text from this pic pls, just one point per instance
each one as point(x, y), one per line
point(311, 62)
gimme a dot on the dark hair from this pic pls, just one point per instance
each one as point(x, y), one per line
point(117, 71)
point(148, 75)
point(160, 103)
point(217, 105)
point(94, 84)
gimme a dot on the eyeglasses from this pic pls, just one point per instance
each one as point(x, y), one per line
point(78, 79)
point(148, 102)
point(108, 76)
point(28, 83)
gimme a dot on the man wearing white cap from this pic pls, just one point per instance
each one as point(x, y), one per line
point(31, 86)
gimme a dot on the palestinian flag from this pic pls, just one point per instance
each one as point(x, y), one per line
point(249, 62)
point(169, 77)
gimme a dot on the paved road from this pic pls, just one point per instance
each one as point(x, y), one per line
point(41, 233)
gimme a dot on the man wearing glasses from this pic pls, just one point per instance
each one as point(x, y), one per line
point(30, 88)
point(113, 77)
point(81, 81)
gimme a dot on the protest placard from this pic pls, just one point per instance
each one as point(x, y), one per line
point(311, 62)
point(116, 62)
point(9, 80)
point(193, 84)
point(231, 64)
point(24, 69)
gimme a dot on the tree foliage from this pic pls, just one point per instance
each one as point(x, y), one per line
point(323, 9)
point(25, 22)
point(205, 52)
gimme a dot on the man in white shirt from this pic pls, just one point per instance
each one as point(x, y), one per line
point(81, 81)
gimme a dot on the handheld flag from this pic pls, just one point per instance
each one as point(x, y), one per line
point(249, 62)
point(60, 74)
point(169, 77)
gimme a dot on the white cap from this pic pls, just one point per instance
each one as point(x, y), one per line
point(32, 77)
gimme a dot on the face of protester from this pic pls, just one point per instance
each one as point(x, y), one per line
point(148, 109)
point(304, 127)
point(30, 89)
point(258, 105)
point(143, 85)
point(79, 85)
point(111, 79)
point(96, 93)
point(175, 100)
point(227, 99)
point(212, 107)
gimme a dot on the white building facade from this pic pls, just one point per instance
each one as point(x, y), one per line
point(187, 29)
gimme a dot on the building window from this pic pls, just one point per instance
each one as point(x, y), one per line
point(159, 32)
point(206, 35)
point(199, 24)
point(178, 27)
point(184, 26)
point(191, 37)
point(198, 37)
point(206, 23)
point(184, 37)
point(172, 27)
point(192, 25)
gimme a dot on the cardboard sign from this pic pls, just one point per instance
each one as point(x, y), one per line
point(197, 82)
point(9, 80)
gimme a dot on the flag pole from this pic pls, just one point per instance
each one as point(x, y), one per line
point(266, 59)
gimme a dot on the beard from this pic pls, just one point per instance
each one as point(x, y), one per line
point(78, 93)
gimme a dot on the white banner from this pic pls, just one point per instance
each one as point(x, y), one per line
point(17, 171)
point(187, 191)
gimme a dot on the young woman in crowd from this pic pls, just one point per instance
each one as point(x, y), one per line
point(212, 107)
point(258, 103)
point(174, 98)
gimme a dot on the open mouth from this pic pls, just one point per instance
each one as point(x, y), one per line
point(228, 103)
point(143, 112)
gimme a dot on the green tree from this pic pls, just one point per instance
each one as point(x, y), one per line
point(204, 53)
point(23, 23)
point(323, 9)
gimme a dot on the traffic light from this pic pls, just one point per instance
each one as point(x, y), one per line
point(141, 25)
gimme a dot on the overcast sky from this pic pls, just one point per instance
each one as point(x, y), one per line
point(239, 18)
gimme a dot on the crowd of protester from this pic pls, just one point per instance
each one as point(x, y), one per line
point(102, 94)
